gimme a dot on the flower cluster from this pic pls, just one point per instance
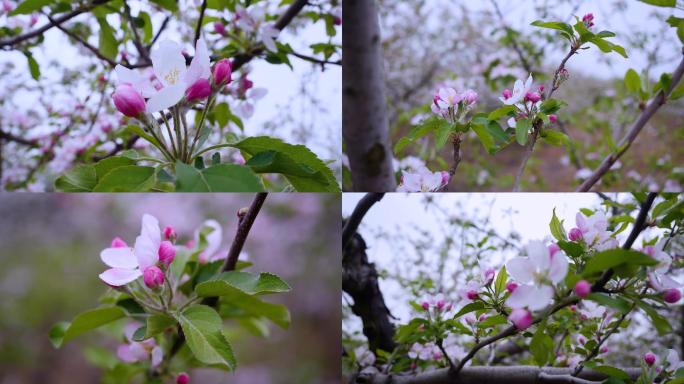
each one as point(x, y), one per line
point(423, 180)
point(453, 105)
point(657, 275)
point(526, 100)
point(593, 231)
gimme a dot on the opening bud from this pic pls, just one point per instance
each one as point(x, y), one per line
point(170, 233)
point(223, 71)
point(128, 101)
point(521, 318)
point(153, 277)
point(182, 378)
point(649, 358)
point(167, 252)
point(199, 90)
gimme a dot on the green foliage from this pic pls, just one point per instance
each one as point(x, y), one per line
point(108, 44)
point(130, 178)
point(614, 302)
point(541, 346)
point(34, 68)
point(81, 178)
point(632, 81)
point(433, 124)
point(612, 258)
point(522, 128)
point(84, 322)
point(30, 6)
point(661, 3)
point(202, 327)
point(556, 227)
point(170, 5)
point(217, 178)
point(566, 29)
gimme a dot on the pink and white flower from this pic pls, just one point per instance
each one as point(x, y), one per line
point(127, 264)
point(520, 89)
point(213, 234)
point(538, 272)
point(422, 180)
point(594, 230)
point(133, 351)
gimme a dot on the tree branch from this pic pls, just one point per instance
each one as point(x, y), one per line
point(365, 125)
point(198, 28)
point(244, 225)
point(631, 135)
point(19, 140)
point(53, 23)
point(357, 215)
point(91, 48)
point(496, 375)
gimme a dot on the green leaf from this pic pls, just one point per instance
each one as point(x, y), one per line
point(676, 93)
point(302, 177)
point(298, 153)
point(632, 81)
point(550, 106)
point(155, 324)
point(170, 5)
point(432, 124)
point(105, 166)
point(556, 227)
point(614, 302)
point(541, 346)
point(237, 297)
point(81, 178)
point(492, 321)
point(30, 6)
point(131, 178)
point(140, 132)
point(217, 178)
point(108, 44)
point(607, 46)
point(566, 28)
point(522, 128)
point(254, 284)
point(84, 322)
point(500, 283)
point(34, 68)
point(202, 328)
point(147, 27)
point(500, 112)
point(613, 257)
point(659, 322)
point(612, 372)
point(474, 306)
point(571, 248)
point(555, 137)
point(222, 113)
point(661, 3)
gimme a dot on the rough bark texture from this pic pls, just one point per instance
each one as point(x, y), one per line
point(360, 281)
point(365, 126)
point(494, 375)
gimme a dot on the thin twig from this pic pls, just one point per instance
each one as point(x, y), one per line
point(198, 28)
point(244, 225)
point(87, 45)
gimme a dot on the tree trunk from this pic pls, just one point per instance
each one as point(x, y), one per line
point(365, 126)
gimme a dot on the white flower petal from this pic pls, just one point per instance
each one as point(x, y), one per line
point(522, 297)
point(521, 269)
point(119, 276)
point(166, 97)
point(214, 238)
point(558, 268)
point(168, 62)
point(542, 296)
point(199, 66)
point(119, 258)
point(538, 254)
point(138, 81)
point(157, 356)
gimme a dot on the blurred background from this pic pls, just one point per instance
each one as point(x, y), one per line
point(50, 266)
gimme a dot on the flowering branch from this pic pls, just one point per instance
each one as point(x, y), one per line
point(631, 135)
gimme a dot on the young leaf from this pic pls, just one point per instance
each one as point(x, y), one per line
point(217, 178)
point(108, 44)
point(131, 178)
point(566, 28)
point(34, 68)
point(30, 6)
point(556, 227)
point(202, 329)
point(522, 128)
point(614, 302)
point(84, 322)
point(661, 3)
point(632, 81)
point(614, 257)
point(541, 346)
point(470, 307)
point(492, 321)
point(501, 112)
point(302, 177)
point(81, 178)
point(555, 138)
point(500, 283)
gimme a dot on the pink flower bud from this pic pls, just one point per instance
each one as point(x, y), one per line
point(575, 234)
point(649, 250)
point(153, 277)
point(471, 294)
point(128, 101)
point(167, 252)
point(482, 317)
point(553, 248)
point(222, 72)
point(190, 243)
point(34, 19)
point(440, 304)
point(445, 177)
point(489, 275)
point(521, 318)
point(118, 242)
point(170, 233)
point(337, 20)
point(532, 96)
point(506, 94)
point(553, 118)
point(6, 6)
point(588, 20)
point(182, 378)
point(649, 358)
point(604, 349)
point(246, 83)
point(448, 307)
point(425, 305)
point(581, 340)
point(510, 287)
point(219, 28)
point(541, 88)
point(582, 288)
point(199, 90)
point(573, 308)
point(437, 355)
point(672, 295)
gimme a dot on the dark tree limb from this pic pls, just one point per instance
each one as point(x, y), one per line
point(53, 23)
point(631, 135)
point(244, 225)
point(353, 222)
point(365, 125)
point(496, 375)
point(19, 140)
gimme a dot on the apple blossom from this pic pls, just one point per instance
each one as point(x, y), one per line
point(219, 28)
point(511, 286)
point(222, 72)
point(595, 232)
point(506, 94)
point(134, 351)
point(582, 288)
point(532, 97)
point(521, 318)
point(167, 252)
point(575, 234)
point(118, 242)
point(127, 264)
point(364, 357)
point(170, 233)
point(423, 352)
point(453, 105)
point(422, 180)
point(182, 378)
point(536, 271)
point(672, 295)
point(199, 90)
point(213, 238)
point(553, 248)
point(649, 358)
point(672, 362)
point(590, 310)
point(520, 89)
point(153, 277)
point(488, 275)
point(128, 101)
point(553, 118)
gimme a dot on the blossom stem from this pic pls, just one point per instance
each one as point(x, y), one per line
point(161, 145)
point(211, 149)
point(168, 129)
point(177, 129)
point(186, 150)
point(199, 126)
